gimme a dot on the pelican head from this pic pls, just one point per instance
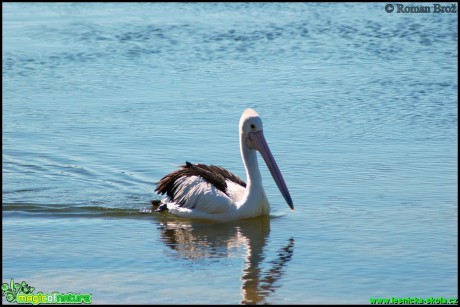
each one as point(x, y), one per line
point(251, 132)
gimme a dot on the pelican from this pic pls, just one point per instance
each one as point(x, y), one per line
point(211, 192)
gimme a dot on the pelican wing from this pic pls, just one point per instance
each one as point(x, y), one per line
point(201, 187)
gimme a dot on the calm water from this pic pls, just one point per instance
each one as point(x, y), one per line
point(359, 106)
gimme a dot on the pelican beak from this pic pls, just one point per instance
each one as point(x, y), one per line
point(258, 142)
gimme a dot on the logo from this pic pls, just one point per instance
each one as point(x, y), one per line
point(22, 293)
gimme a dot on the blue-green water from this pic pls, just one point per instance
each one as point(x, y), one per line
point(359, 108)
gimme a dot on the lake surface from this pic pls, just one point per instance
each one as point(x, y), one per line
point(360, 109)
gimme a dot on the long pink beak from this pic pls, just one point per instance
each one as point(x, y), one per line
point(258, 142)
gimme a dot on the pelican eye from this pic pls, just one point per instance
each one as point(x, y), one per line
point(253, 127)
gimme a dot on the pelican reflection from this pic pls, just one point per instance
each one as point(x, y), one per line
point(244, 239)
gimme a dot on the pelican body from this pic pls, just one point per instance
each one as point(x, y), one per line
point(214, 193)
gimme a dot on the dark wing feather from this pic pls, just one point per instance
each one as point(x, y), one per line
point(212, 174)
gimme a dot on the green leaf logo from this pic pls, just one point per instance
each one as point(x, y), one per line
point(12, 290)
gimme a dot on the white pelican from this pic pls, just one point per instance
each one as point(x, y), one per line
point(213, 193)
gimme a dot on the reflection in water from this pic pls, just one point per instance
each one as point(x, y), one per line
point(247, 238)
point(258, 285)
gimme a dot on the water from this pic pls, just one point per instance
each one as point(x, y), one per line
point(359, 108)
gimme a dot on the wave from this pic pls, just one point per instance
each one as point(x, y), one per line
point(34, 210)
